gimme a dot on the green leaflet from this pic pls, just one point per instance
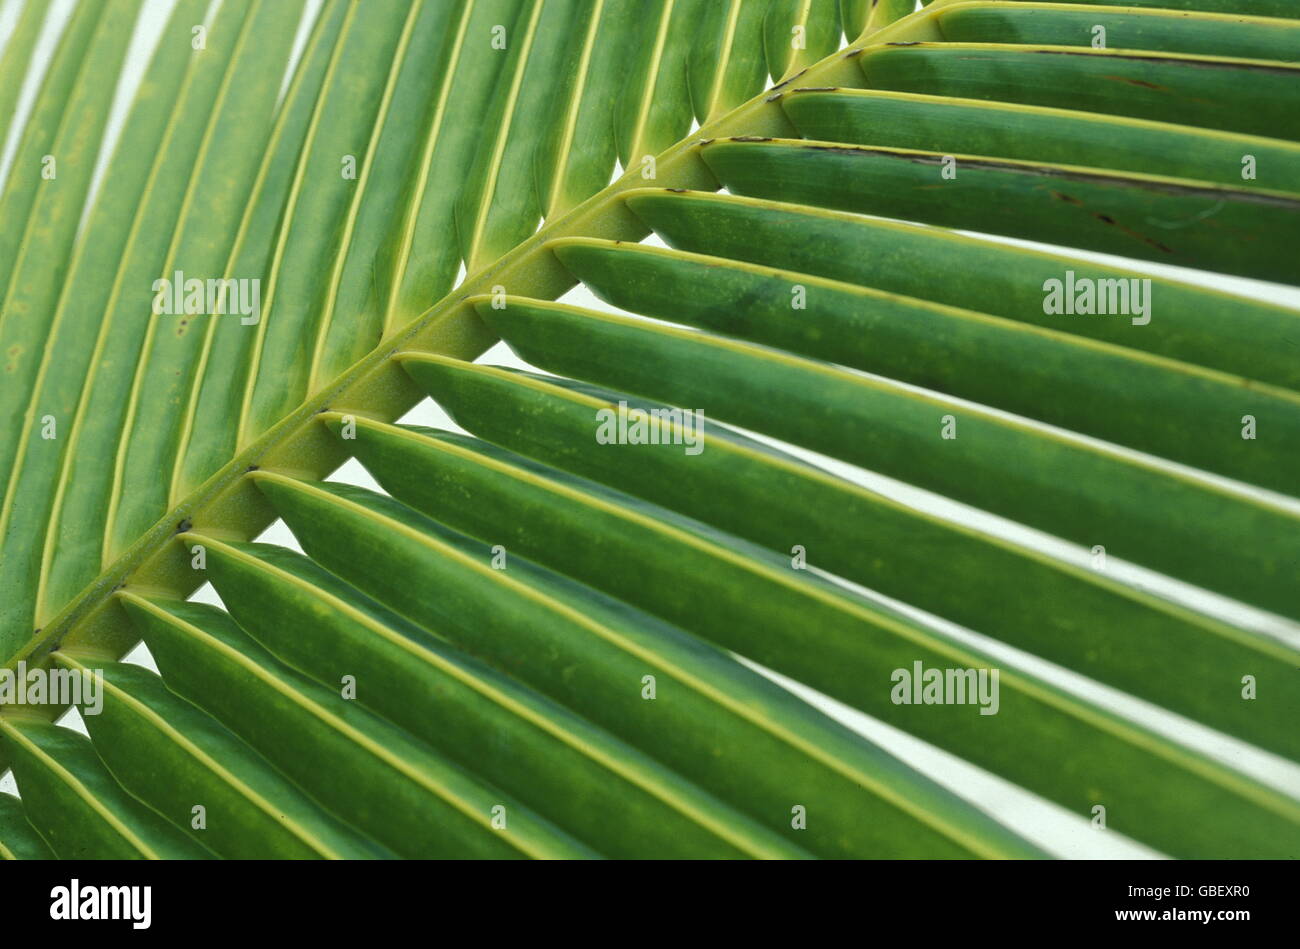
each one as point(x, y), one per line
point(505, 208)
point(734, 733)
point(847, 647)
point(1110, 392)
point(1277, 8)
point(1166, 219)
point(655, 108)
point(428, 248)
point(1170, 31)
point(75, 325)
point(729, 67)
point(256, 46)
point(76, 543)
point(47, 192)
point(210, 429)
point(362, 278)
point(577, 163)
point(77, 806)
point(398, 791)
point(798, 33)
point(293, 298)
point(1256, 97)
point(1046, 480)
point(905, 120)
point(60, 86)
point(570, 771)
point(18, 838)
point(175, 758)
point(15, 58)
point(994, 586)
point(866, 16)
point(934, 264)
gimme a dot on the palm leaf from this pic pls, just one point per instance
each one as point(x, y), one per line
point(534, 644)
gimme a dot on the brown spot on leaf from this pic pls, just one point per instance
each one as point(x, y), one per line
point(1138, 82)
point(786, 82)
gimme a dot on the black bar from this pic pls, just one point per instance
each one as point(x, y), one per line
point(441, 899)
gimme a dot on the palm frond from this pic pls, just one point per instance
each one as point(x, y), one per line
point(537, 644)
